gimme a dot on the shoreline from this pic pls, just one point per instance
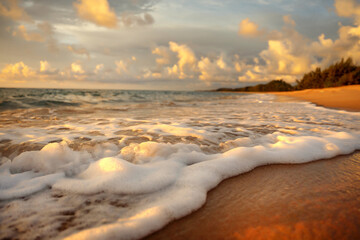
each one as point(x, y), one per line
point(341, 98)
point(315, 200)
point(345, 97)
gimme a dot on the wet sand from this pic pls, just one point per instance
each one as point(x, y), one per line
point(346, 97)
point(318, 200)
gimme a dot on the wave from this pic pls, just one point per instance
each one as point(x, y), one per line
point(142, 165)
point(176, 176)
point(7, 105)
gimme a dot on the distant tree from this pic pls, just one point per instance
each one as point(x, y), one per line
point(344, 72)
point(273, 86)
point(341, 73)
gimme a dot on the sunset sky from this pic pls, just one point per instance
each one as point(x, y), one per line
point(171, 44)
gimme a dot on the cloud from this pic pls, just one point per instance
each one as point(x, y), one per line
point(130, 19)
point(45, 32)
point(31, 36)
point(79, 51)
point(164, 54)
point(185, 65)
point(121, 67)
point(348, 8)
point(289, 54)
point(281, 58)
point(77, 68)
point(126, 67)
point(44, 66)
point(186, 61)
point(18, 71)
point(288, 20)
point(12, 10)
point(96, 11)
point(99, 68)
point(214, 71)
point(249, 29)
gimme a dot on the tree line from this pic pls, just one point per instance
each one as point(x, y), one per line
point(344, 72)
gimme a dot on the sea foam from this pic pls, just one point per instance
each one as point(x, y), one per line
point(126, 177)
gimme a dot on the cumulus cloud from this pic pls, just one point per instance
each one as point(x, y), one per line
point(186, 61)
point(289, 54)
point(96, 11)
point(249, 29)
point(185, 65)
point(78, 51)
point(45, 67)
point(12, 10)
point(17, 70)
point(214, 71)
point(21, 72)
point(77, 68)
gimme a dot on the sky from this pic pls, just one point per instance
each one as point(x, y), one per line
point(171, 44)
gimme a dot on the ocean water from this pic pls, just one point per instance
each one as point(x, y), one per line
point(105, 164)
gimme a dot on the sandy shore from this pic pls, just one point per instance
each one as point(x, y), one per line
point(346, 97)
point(318, 200)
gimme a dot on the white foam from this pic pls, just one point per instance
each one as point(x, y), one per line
point(175, 130)
point(121, 177)
point(191, 151)
point(54, 157)
point(23, 184)
point(192, 183)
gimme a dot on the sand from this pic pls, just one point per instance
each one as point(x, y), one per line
point(318, 200)
point(346, 97)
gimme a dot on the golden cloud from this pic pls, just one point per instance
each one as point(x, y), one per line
point(18, 70)
point(248, 28)
point(96, 11)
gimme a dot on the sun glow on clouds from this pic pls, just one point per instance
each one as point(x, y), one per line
point(17, 70)
point(96, 11)
point(288, 53)
point(77, 68)
point(248, 28)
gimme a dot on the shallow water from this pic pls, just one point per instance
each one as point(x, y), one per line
point(111, 163)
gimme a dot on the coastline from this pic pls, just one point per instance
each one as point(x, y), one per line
point(316, 200)
point(345, 97)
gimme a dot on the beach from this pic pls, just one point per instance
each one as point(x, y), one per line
point(345, 97)
point(147, 119)
point(317, 200)
point(105, 164)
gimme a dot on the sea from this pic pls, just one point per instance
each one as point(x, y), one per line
point(122, 164)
